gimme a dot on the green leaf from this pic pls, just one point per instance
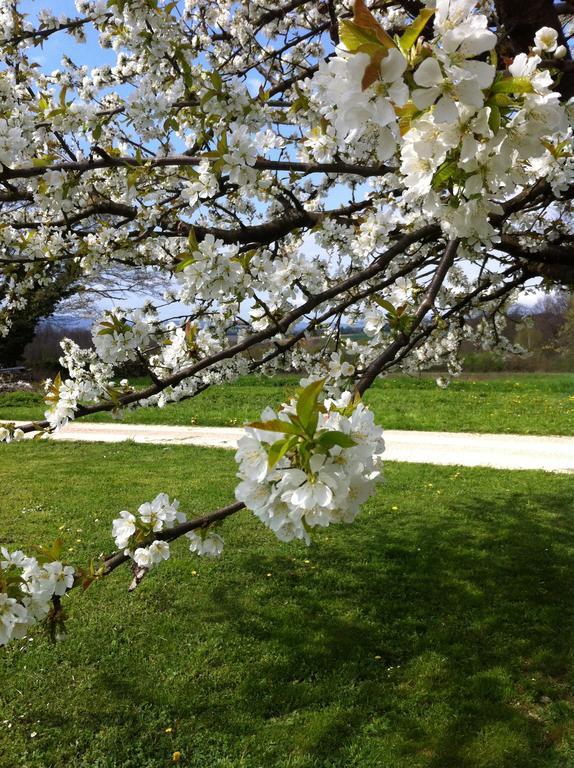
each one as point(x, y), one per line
point(307, 410)
point(51, 553)
point(62, 98)
point(280, 448)
point(216, 80)
point(113, 325)
point(113, 394)
point(518, 85)
point(53, 393)
point(363, 18)
point(185, 260)
point(501, 100)
point(494, 118)
point(170, 123)
point(372, 49)
point(244, 258)
point(43, 162)
point(384, 304)
point(222, 145)
point(191, 335)
point(192, 239)
point(132, 178)
point(277, 425)
point(406, 115)
point(558, 150)
point(444, 174)
point(354, 37)
point(330, 439)
point(412, 32)
point(14, 591)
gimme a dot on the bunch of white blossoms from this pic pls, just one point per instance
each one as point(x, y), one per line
point(119, 334)
point(205, 542)
point(467, 136)
point(153, 516)
point(211, 271)
point(9, 433)
point(26, 589)
point(131, 533)
point(310, 464)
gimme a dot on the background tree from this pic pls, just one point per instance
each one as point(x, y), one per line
point(68, 291)
point(41, 302)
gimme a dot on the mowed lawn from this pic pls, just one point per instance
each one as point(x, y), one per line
point(540, 404)
point(435, 632)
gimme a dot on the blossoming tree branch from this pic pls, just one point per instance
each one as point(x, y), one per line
point(407, 165)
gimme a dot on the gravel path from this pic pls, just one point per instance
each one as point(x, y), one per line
point(554, 454)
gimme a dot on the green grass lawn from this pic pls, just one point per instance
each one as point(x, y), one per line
point(540, 404)
point(436, 632)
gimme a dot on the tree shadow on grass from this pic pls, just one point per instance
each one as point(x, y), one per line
point(469, 617)
point(443, 642)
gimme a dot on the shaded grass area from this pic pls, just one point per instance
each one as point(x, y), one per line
point(541, 404)
point(436, 632)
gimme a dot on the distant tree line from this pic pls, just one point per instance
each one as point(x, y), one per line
point(545, 330)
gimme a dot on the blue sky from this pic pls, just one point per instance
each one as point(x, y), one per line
point(50, 53)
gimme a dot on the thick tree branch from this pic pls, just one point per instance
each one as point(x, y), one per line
point(554, 262)
point(261, 164)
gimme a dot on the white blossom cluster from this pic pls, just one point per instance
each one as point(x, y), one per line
point(154, 516)
point(353, 111)
point(90, 380)
point(119, 335)
point(130, 533)
point(212, 272)
point(9, 433)
point(467, 137)
point(26, 591)
point(205, 542)
point(318, 480)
